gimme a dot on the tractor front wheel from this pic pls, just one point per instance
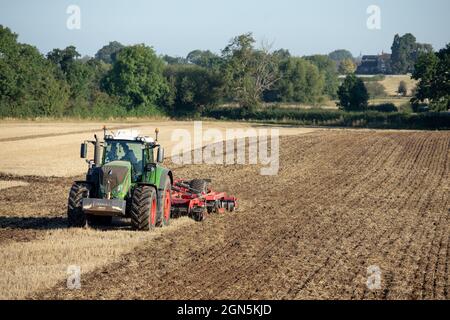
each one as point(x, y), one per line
point(76, 216)
point(144, 208)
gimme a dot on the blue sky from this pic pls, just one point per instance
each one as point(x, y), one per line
point(176, 27)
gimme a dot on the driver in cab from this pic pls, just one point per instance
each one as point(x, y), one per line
point(128, 154)
point(135, 163)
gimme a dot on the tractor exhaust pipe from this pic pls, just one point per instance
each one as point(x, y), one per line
point(97, 152)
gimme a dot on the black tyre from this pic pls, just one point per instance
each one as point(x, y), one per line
point(214, 208)
point(230, 207)
point(166, 204)
point(144, 208)
point(199, 214)
point(76, 216)
point(129, 203)
point(199, 186)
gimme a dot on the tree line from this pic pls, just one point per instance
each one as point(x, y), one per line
point(134, 81)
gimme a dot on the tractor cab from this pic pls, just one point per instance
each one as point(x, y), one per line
point(126, 146)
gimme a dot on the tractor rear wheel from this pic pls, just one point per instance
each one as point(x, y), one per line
point(166, 204)
point(199, 186)
point(76, 216)
point(144, 208)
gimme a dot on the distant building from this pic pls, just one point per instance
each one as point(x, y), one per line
point(375, 64)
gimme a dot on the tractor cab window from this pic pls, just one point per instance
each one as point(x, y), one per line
point(149, 155)
point(126, 151)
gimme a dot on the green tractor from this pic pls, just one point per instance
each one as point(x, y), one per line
point(125, 179)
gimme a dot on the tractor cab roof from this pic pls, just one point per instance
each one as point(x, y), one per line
point(129, 135)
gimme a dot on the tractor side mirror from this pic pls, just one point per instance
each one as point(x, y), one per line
point(160, 155)
point(83, 150)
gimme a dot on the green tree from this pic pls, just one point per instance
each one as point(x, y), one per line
point(301, 81)
point(87, 98)
point(339, 55)
point(82, 75)
point(405, 52)
point(108, 52)
point(28, 85)
point(248, 72)
point(79, 76)
point(347, 66)
point(173, 60)
point(192, 88)
point(205, 59)
point(63, 58)
point(432, 72)
point(282, 54)
point(328, 69)
point(353, 94)
point(137, 77)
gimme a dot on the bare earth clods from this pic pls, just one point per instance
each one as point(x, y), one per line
point(342, 201)
point(37, 204)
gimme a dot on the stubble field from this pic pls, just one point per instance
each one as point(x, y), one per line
point(343, 201)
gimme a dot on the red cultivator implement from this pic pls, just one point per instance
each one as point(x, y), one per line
point(195, 199)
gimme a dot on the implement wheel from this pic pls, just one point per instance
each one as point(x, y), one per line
point(144, 208)
point(199, 214)
point(199, 186)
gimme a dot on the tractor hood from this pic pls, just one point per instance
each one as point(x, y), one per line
point(115, 179)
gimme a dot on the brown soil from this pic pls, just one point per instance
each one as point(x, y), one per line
point(26, 212)
point(342, 201)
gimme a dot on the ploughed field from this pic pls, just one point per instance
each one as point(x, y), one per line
point(343, 200)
